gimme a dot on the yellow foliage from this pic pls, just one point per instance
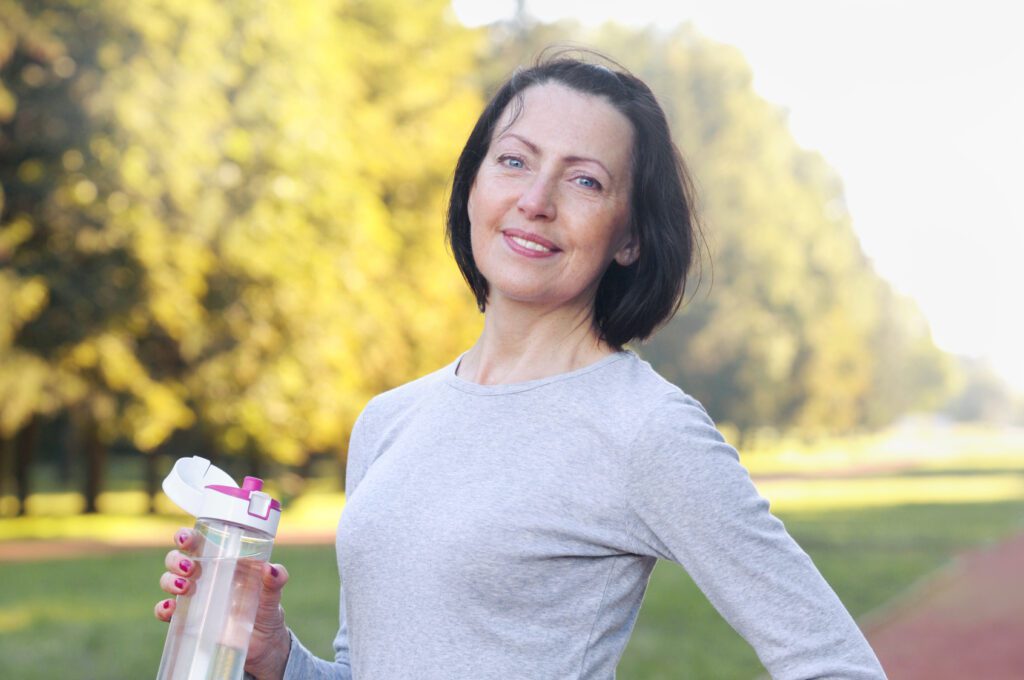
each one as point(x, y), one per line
point(23, 300)
point(13, 234)
point(268, 181)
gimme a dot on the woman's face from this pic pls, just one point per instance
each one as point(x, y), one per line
point(549, 208)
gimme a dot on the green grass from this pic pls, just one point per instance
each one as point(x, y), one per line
point(91, 618)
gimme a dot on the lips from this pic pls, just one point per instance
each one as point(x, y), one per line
point(529, 244)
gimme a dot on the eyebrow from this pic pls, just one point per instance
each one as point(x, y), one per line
point(570, 159)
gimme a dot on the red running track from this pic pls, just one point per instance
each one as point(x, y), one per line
point(966, 622)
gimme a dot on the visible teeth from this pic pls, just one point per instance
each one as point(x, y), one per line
point(532, 245)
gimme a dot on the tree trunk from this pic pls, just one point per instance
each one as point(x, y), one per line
point(5, 447)
point(66, 463)
point(342, 466)
point(95, 466)
point(152, 480)
point(256, 466)
point(24, 448)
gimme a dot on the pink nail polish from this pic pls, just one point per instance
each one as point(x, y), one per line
point(167, 604)
point(185, 565)
point(274, 572)
point(179, 583)
point(181, 538)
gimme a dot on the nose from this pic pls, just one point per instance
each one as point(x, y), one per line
point(537, 202)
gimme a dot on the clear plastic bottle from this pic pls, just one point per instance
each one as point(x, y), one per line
point(209, 633)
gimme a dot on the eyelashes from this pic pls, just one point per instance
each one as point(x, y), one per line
point(514, 162)
point(510, 161)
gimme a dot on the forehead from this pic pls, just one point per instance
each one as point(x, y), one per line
point(566, 122)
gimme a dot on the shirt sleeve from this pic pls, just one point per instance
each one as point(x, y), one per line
point(695, 504)
point(302, 663)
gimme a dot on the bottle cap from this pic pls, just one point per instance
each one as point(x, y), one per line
point(203, 490)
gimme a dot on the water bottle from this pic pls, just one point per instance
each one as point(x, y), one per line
point(209, 633)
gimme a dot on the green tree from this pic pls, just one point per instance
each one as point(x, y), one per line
point(282, 168)
point(68, 279)
point(241, 231)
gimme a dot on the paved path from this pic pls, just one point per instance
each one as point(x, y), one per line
point(965, 622)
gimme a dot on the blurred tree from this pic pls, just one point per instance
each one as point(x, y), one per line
point(237, 216)
point(282, 168)
point(910, 373)
point(981, 396)
point(66, 278)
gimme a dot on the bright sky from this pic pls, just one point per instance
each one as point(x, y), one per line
point(919, 106)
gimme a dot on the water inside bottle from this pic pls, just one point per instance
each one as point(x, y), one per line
point(210, 629)
point(228, 663)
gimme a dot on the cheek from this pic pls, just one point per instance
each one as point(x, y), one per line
point(476, 241)
point(477, 211)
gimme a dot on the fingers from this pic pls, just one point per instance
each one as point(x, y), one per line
point(270, 614)
point(185, 539)
point(268, 653)
point(175, 585)
point(275, 576)
point(164, 609)
point(181, 564)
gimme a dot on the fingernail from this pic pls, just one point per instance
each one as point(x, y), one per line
point(274, 572)
point(181, 537)
point(179, 583)
point(167, 604)
point(185, 565)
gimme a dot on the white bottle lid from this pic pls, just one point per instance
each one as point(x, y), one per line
point(203, 490)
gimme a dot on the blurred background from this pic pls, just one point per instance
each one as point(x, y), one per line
point(221, 234)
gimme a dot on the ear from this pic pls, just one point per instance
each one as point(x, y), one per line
point(629, 252)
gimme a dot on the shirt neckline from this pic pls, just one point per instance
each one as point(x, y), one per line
point(512, 388)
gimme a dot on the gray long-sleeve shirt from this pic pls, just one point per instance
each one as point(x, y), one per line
point(509, 532)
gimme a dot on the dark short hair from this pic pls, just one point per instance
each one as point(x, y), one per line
point(631, 301)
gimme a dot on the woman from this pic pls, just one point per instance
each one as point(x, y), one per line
point(504, 513)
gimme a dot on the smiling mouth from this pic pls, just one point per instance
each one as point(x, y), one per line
point(530, 245)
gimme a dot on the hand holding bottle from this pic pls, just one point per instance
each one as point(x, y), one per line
point(227, 617)
point(270, 642)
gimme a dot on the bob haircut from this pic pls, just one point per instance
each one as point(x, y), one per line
point(632, 301)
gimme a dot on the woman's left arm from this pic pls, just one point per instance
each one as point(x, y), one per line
point(696, 505)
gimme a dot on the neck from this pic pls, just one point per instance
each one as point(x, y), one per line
point(518, 345)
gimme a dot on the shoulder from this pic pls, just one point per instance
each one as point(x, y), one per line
point(674, 429)
point(383, 414)
point(388, 405)
point(680, 418)
point(660, 423)
point(665, 406)
point(679, 465)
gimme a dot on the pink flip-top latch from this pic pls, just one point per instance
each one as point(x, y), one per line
point(260, 504)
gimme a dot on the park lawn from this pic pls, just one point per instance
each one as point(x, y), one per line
point(91, 617)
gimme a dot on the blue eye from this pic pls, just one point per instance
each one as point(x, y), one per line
point(512, 162)
point(588, 182)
